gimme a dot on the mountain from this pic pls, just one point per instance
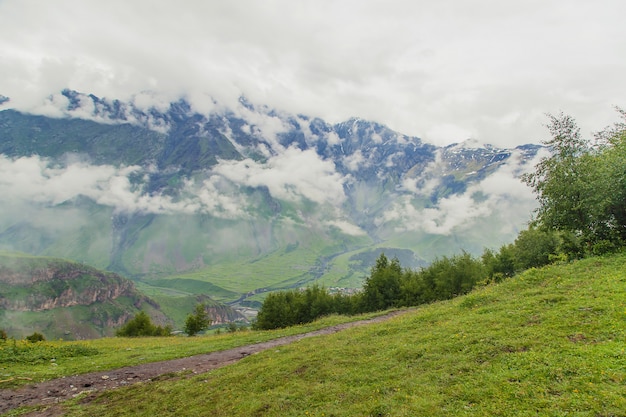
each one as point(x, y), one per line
point(234, 202)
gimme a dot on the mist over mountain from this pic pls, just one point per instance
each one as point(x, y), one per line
point(233, 202)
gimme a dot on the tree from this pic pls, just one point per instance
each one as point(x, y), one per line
point(560, 180)
point(275, 312)
point(499, 265)
point(382, 288)
point(141, 325)
point(581, 187)
point(197, 321)
point(534, 248)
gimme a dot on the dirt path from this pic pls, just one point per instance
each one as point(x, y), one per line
point(56, 390)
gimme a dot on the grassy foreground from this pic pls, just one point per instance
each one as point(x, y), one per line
point(550, 342)
point(22, 362)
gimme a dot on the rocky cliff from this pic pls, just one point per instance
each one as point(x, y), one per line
point(65, 299)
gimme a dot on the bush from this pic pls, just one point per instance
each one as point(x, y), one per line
point(197, 321)
point(534, 247)
point(3, 334)
point(141, 325)
point(35, 337)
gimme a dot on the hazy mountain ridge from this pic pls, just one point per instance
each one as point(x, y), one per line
point(165, 190)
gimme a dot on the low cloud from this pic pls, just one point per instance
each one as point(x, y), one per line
point(292, 175)
point(501, 197)
point(347, 227)
point(38, 180)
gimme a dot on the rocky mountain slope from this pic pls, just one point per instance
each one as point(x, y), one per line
point(64, 299)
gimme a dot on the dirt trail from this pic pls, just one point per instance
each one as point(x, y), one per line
point(56, 390)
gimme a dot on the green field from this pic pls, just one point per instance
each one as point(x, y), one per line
point(549, 342)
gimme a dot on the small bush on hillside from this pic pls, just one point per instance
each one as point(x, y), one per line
point(141, 325)
point(35, 337)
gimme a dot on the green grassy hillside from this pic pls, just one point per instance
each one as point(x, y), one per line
point(549, 342)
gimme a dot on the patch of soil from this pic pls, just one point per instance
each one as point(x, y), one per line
point(54, 391)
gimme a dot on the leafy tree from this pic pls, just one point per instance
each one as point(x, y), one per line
point(581, 187)
point(534, 248)
point(448, 277)
point(275, 312)
point(499, 265)
point(3, 334)
point(288, 308)
point(141, 325)
point(382, 288)
point(197, 321)
point(560, 180)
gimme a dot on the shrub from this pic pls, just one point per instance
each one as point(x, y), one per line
point(141, 325)
point(35, 337)
point(197, 321)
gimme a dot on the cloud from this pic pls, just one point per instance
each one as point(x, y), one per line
point(441, 70)
point(501, 197)
point(347, 227)
point(292, 176)
point(355, 161)
point(38, 180)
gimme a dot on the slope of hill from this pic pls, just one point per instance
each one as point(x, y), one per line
point(245, 200)
point(64, 299)
point(549, 342)
point(69, 300)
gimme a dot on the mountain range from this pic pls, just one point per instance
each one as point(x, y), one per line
point(235, 202)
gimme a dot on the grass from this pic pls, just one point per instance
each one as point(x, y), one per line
point(23, 362)
point(550, 342)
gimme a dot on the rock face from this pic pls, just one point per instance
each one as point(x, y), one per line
point(65, 299)
point(30, 286)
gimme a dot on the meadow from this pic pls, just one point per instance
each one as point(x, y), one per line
point(549, 342)
point(23, 362)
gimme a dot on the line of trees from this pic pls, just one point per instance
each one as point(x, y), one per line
point(581, 190)
point(389, 285)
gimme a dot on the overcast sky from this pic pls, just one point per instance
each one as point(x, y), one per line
point(442, 70)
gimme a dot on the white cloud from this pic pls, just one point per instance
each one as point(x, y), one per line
point(501, 197)
point(33, 180)
point(442, 70)
point(347, 227)
point(291, 175)
point(355, 161)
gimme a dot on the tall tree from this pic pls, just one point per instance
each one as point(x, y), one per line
point(581, 187)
